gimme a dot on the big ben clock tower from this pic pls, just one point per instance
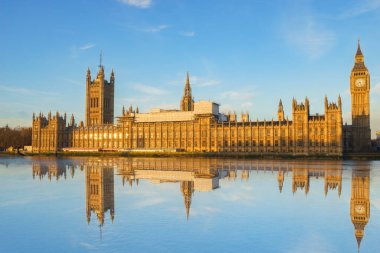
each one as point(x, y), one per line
point(360, 107)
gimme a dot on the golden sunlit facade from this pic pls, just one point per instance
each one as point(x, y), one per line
point(200, 127)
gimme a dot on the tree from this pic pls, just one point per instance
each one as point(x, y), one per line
point(16, 137)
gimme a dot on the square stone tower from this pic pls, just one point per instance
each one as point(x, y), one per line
point(99, 99)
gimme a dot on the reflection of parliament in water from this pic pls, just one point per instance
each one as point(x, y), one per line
point(197, 174)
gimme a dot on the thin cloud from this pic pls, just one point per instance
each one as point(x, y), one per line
point(132, 100)
point(21, 90)
point(203, 82)
point(361, 7)
point(87, 46)
point(87, 245)
point(142, 4)
point(187, 34)
point(15, 90)
point(376, 89)
point(237, 95)
point(75, 82)
point(309, 37)
point(149, 89)
point(246, 105)
point(167, 106)
point(225, 108)
point(156, 29)
point(149, 202)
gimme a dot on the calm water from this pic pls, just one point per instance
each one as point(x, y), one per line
point(188, 205)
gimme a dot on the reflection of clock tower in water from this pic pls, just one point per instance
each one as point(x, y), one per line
point(360, 107)
point(360, 202)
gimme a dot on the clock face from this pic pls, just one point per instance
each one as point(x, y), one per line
point(359, 209)
point(360, 82)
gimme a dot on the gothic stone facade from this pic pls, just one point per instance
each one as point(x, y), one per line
point(200, 127)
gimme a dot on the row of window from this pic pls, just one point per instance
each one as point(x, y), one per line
point(261, 143)
point(204, 133)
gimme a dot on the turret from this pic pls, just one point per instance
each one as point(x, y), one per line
point(340, 103)
point(294, 104)
point(101, 72)
point(112, 77)
point(72, 120)
point(232, 116)
point(88, 76)
point(280, 113)
point(245, 117)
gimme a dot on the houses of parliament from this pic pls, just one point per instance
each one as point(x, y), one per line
point(201, 127)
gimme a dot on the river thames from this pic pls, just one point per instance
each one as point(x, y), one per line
point(115, 204)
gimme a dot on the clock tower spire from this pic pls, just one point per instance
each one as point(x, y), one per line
point(360, 107)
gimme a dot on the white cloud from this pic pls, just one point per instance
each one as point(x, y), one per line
point(242, 196)
point(131, 100)
point(187, 34)
point(376, 89)
point(203, 82)
point(21, 90)
point(309, 37)
point(87, 46)
point(225, 108)
point(149, 89)
point(156, 29)
point(87, 245)
point(75, 82)
point(15, 122)
point(203, 211)
point(241, 95)
point(246, 105)
point(167, 106)
point(143, 4)
point(312, 243)
point(149, 202)
point(359, 8)
point(375, 203)
point(15, 90)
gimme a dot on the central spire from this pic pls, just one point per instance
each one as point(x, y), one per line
point(359, 51)
point(187, 85)
point(100, 59)
point(187, 101)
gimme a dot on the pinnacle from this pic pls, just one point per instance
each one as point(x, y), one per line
point(359, 51)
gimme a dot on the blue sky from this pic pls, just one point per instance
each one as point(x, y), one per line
point(245, 55)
